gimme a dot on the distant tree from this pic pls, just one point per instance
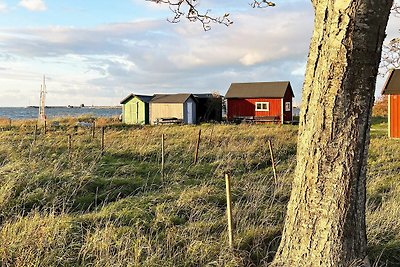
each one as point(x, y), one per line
point(380, 108)
point(325, 221)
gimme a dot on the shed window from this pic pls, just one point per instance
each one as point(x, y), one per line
point(287, 106)
point(262, 106)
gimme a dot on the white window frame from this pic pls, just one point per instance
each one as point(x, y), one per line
point(262, 109)
point(288, 106)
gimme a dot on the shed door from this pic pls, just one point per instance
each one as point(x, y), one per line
point(190, 112)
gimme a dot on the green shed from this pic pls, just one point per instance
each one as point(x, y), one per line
point(135, 109)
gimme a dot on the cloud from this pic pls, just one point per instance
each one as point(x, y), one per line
point(3, 7)
point(153, 56)
point(33, 5)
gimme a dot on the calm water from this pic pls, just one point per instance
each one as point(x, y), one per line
point(32, 113)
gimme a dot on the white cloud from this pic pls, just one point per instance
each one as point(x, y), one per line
point(33, 5)
point(3, 7)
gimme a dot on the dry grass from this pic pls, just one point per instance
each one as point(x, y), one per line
point(78, 208)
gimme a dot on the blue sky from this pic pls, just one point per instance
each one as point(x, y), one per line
point(97, 52)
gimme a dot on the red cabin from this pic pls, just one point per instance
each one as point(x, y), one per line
point(260, 102)
point(392, 89)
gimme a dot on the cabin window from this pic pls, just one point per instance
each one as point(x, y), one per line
point(262, 106)
point(287, 106)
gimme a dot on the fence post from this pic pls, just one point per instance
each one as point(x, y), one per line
point(35, 133)
point(45, 126)
point(196, 154)
point(102, 140)
point(162, 157)
point(69, 145)
point(211, 135)
point(229, 209)
point(93, 128)
point(271, 151)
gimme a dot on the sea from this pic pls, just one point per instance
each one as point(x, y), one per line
point(22, 113)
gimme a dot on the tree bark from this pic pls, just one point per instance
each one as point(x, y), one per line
point(325, 221)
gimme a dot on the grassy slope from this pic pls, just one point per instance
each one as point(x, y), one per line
point(81, 208)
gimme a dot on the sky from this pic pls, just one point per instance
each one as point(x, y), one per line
point(98, 52)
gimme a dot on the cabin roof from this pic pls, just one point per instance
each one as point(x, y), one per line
point(392, 85)
point(144, 98)
point(171, 98)
point(259, 89)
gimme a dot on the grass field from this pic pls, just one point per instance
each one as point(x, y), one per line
point(61, 207)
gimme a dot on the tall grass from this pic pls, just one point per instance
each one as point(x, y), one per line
point(81, 208)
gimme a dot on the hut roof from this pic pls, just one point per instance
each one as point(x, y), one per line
point(392, 85)
point(144, 98)
point(207, 95)
point(171, 98)
point(259, 89)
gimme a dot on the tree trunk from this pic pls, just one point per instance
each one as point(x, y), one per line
point(325, 221)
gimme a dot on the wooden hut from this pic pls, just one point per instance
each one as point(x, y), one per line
point(209, 107)
point(135, 109)
point(260, 102)
point(392, 89)
point(174, 108)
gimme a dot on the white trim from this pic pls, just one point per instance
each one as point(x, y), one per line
point(282, 110)
point(262, 109)
point(389, 117)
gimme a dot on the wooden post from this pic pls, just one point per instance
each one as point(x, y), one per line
point(93, 128)
point(35, 133)
point(229, 209)
point(45, 126)
point(271, 151)
point(69, 145)
point(196, 154)
point(162, 157)
point(102, 140)
point(211, 135)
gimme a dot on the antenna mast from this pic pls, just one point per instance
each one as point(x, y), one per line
point(42, 115)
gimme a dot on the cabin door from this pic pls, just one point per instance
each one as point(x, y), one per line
point(189, 112)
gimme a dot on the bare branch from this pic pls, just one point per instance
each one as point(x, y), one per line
point(262, 4)
point(188, 9)
point(390, 56)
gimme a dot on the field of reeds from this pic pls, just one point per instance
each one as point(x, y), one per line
point(70, 204)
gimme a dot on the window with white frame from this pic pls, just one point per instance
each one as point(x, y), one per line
point(287, 106)
point(262, 106)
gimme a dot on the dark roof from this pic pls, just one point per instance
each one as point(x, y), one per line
point(392, 85)
point(258, 89)
point(144, 98)
point(174, 98)
point(207, 95)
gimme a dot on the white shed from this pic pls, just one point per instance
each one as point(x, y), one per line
point(173, 106)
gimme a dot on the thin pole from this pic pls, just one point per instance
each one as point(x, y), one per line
point(102, 140)
point(211, 135)
point(229, 208)
point(271, 151)
point(35, 133)
point(45, 126)
point(196, 154)
point(162, 157)
point(69, 145)
point(93, 129)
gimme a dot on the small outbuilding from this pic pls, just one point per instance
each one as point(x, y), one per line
point(260, 102)
point(209, 107)
point(392, 89)
point(174, 107)
point(135, 109)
